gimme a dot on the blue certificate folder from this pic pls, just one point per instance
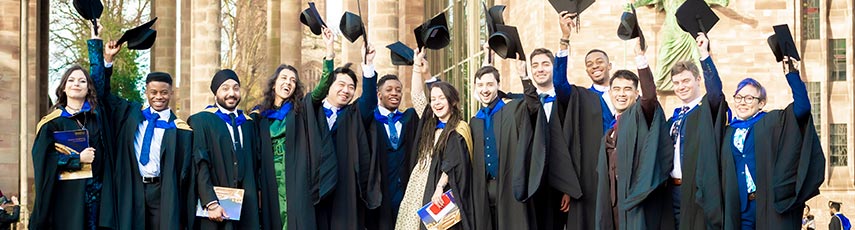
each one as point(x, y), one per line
point(231, 199)
point(72, 142)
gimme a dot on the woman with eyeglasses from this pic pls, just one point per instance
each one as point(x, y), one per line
point(771, 162)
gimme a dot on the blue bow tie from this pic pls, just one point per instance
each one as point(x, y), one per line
point(329, 112)
point(546, 98)
point(440, 125)
point(280, 113)
point(85, 108)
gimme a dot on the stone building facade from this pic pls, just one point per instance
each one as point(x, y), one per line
point(188, 46)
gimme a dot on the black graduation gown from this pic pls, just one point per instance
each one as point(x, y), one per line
point(700, 193)
point(513, 132)
point(643, 166)
point(61, 204)
point(455, 161)
point(177, 198)
point(357, 188)
point(384, 217)
point(790, 168)
point(216, 164)
point(574, 173)
point(301, 173)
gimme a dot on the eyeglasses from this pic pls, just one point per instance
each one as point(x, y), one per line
point(747, 99)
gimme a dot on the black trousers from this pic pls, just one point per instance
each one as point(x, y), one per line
point(492, 192)
point(152, 206)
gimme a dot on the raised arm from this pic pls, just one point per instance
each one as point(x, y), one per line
point(559, 69)
point(368, 101)
point(801, 102)
point(417, 90)
point(648, 87)
point(320, 91)
point(96, 63)
point(712, 81)
point(530, 97)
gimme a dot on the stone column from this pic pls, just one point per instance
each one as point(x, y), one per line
point(383, 30)
point(205, 45)
point(163, 53)
point(290, 33)
point(411, 14)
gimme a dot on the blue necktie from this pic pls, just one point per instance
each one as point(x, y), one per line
point(393, 132)
point(329, 112)
point(149, 133)
point(236, 139)
point(546, 98)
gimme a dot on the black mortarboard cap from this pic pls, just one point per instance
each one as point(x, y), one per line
point(782, 43)
point(696, 16)
point(433, 34)
point(493, 16)
point(159, 76)
point(311, 18)
point(351, 26)
point(141, 37)
point(506, 42)
point(401, 54)
point(629, 27)
point(89, 9)
point(571, 6)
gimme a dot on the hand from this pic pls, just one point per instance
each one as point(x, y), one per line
point(567, 24)
point(703, 45)
point(369, 54)
point(638, 50)
point(519, 69)
point(793, 64)
point(14, 200)
point(94, 28)
point(110, 50)
point(420, 63)
point(217, 214)
point(329, 40)
point(488, 58)
point(437, 197)
point(88, 155)
point(565, 203)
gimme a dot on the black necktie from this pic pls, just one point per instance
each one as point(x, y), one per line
point(236, 134)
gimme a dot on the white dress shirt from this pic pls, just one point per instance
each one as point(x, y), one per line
point(547, 107)
point(385, 112)
point(331, 119)
point(229, 126)
point(677, 172)
point(152, 169)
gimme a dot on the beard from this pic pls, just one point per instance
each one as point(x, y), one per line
point(222, 102)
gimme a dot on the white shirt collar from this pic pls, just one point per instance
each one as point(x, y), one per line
point(226, 111)
point(164, 115)
point(693, 103)
point(550, 92)
point(329, 106)
point(601, 88)
point(383, 110)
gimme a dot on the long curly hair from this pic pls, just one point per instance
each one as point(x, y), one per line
point(269, 93)
point(62, 97)
point(426, 143)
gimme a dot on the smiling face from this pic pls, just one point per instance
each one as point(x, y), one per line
point(285, 84)
point(749, 101)
point(439, 104)
point(390, 94)
point(686, 86)
point(341, 90)
point(597, 66)
point(228, 94)
point(487, 88)
point(541, 67)
point(623, 93)
point(158, 94)
point(76, 85)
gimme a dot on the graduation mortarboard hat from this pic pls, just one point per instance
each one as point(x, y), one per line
point(401, 54)
point(141, 37)
point(782, 43)
point(506, 42)
point(571, 6)
point(351, 26)
point(89, 9)
point(433, 34)
point(695, 16)
point(311, 18)
point(493, 16)
point(629, 28)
